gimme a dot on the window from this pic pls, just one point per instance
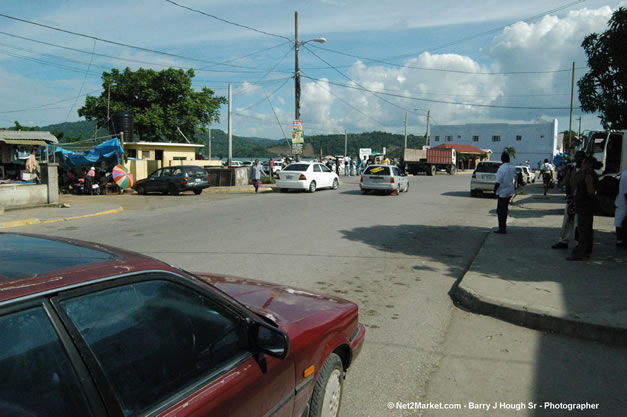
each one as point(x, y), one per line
point(325, 168)
point(475, 138)
point(179, 158)
point(449, 138)
point(496, 138)
point(296, 167)
point(489, 167)
point(145, 154)
point(37, 376)
point(377, 170)
point(518, 138)
point(437, 138)
point(154, 338)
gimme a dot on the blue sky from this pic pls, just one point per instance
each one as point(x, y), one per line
point(466, 62)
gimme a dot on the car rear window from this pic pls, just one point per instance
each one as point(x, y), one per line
point(296, 167)
point(195, 170)
point(490, 168)
point(377, 170)
point(23, 256)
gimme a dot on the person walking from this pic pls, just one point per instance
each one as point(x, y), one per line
point(347, 165)
point(271, 167)
point(620, 215)
point(585, 193)
point(359, 165)
point(337, 166)
point(504, 190)
point(568, 221)
point(547, 175)
point(256, 171)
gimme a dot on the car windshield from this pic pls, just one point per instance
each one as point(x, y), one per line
point(377, 170)
point(296, 167)
point(490, 168)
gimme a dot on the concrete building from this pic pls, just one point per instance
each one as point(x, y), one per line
point(533, 142)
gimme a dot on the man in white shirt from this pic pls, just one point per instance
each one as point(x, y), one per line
point(504, 190)
point(620, 216)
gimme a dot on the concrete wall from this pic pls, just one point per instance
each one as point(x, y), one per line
point(18, 195)
point(533, 142)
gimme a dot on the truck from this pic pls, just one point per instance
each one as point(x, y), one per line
point(610, 148)
point(430, 160)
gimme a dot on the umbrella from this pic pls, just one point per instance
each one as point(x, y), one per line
point(122, 176)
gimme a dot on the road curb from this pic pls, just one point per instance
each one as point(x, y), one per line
point(32, 221)
point(536, 319)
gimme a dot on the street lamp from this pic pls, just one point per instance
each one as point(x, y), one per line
point(297, 45)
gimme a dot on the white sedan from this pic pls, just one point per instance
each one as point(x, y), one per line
point(307, 176)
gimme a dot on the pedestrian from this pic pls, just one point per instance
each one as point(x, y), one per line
point(347, 165)
point(547, 175)
point(620, 215)
point(359, 165)
point(353, 166)
point(337, 166)
point(585, 193)
point(504, 189)
point(256, 171)
point(271, 166)
point(568, 221)
point(386, 161)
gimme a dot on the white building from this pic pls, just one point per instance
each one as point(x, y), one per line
point(533, 142)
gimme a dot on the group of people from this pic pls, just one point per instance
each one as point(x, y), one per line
point(580, 183)
point(83, 183)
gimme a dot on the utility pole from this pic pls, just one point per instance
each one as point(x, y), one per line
point(230, 126)
point(345, 143)
point(296, 70)
point(209, 144)
point(570, 122)
point(405, 130)
point(427, 139)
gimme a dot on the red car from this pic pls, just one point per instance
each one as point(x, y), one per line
point(89, 330)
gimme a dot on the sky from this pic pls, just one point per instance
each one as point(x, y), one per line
point(494, 61)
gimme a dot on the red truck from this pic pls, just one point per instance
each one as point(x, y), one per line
point(430, 160)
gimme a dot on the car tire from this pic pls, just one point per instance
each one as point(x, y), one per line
point(141, 190)
point(312, 187)
point(327, 393)
point(172, 190)
point(198, 191)
point(407, 187)
point(335, 185)
point(431, 171)
point(283, 190)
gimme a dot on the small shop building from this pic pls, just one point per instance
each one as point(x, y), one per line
point(18, 187)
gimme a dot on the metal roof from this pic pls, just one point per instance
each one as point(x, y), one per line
point(26, 136)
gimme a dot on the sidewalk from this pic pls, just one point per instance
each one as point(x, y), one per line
point(89, 207)
point(517, 277)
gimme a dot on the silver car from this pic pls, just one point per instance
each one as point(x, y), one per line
point(484, 178)
point(386, 178)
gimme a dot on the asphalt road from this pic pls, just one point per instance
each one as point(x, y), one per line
point(396, 257)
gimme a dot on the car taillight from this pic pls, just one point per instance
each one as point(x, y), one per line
point(391, 180)
point(185, 179)
point(302, 177)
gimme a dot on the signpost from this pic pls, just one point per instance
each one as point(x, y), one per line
point(298, 138)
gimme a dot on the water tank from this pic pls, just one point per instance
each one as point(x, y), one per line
point(122, 122)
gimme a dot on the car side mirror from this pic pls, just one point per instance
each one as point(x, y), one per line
point(271, 340)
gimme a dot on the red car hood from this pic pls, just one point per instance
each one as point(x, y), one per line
point(282, 304)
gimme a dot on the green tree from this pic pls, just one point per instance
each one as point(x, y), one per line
point(19, 127)
point(604, 88)
point(159, 101)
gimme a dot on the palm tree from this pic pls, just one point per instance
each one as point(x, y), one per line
point(510, 150)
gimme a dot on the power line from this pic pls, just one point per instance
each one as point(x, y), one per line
point(154, 51)
point(82, 84)
point(49, 104)
point(441, 101)
point(229, 22)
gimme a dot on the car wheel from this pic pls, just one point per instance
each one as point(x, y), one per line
point(283, 190)
point(327, 393)
point(173, 190)
point(364, 191)
point(198, 191)
point(312, 187)
point(407, 187)
point(141, 190)
point(336, 184)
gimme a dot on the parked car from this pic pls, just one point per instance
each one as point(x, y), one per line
point(90, 330)
point(386, 178)
point(276, 168)
point(307, 176)
point(484, 178)
point(174, 180)
point(525, 175)
point(531, 176)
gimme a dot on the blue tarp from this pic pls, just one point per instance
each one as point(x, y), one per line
point(109, 152)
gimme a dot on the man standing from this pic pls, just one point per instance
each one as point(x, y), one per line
point(620, 216)
point(271, 166)
point(568, 222)
point(256, 171)
point(89, 181)
point(585, 193)
point(31, 164)
point(504, 189)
